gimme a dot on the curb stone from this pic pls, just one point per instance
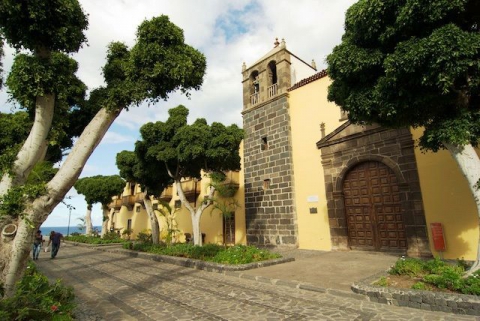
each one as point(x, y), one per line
point(424, 300)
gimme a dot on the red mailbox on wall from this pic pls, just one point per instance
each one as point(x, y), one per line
point(437, 236)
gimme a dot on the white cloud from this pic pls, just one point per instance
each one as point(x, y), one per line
point(116, 138)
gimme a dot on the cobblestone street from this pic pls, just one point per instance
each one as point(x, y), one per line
point(116, 287)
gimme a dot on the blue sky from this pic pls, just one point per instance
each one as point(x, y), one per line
point(228, 32)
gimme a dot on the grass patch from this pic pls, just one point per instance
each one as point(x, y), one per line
point(437, 275)
point(37, 299)
point(238, 254)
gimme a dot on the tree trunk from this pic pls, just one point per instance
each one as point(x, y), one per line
point(88, 221)
point(34, 147)
point(153, 219)
point(195, 214)
point(15, 253)
point(105, 212)
point(469, 163)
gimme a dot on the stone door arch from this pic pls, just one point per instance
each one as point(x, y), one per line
point(373, 208)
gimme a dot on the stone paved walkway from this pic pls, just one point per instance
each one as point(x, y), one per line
point(116, 287)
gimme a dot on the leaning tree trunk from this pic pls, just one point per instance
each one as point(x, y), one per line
point(88, 221)
point(153, 218)
point(15, 249)
point(469, 163)
point(105, 212)
point(34, 147)
point(15, 252)
point(195, 214)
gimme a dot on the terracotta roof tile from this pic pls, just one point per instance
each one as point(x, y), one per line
point(308, 80)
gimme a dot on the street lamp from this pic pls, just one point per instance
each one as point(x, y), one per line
point(69, 215)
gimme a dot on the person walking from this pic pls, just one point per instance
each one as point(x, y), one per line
point(37, 244)
point(55, 239)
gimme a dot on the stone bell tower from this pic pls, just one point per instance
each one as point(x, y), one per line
point(268, 168)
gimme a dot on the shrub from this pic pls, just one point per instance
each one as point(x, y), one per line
point(420, 286)
point(93, 239)
point(37, 299)
point(409, 266)
point(439, 274)
point(241, 254)
point(111, 235)
point(145, 237)
point(383, 282)
point(471, 285)
point(238, 254)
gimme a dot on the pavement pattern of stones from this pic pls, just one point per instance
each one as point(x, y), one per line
point(116, 287)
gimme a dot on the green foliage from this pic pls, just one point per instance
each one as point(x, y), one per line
point(15, 129)
point(420, 286)
point(82, 226)
point(407, 266)
point(13, 202)
point(162, 63)
point(439, 274)
point(190, 148)
point(449, 278)
point(241, 254)
point(107, 239)
point(32, 76)
point(226, 189)
point(383, 282)
point(144, 237)
point(55, 25)
point(411, 63)
point(1, 63)
point(169, 214)
point(112, 236)
point(41, 173)
point(36, 299)
point(127, 232)
point(238, 254)
point(100, 189)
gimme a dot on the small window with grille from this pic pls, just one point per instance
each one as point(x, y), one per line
point(264, 143)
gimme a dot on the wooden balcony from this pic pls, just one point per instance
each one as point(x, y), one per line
point(167, 194)
point(191, 188)
point(128, 201)
point(139, 198)
point(116, 204)
point(229, 187)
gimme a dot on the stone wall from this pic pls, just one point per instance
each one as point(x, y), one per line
point(425, 300)
point(269, 192)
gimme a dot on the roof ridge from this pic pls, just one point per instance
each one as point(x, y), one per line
point(303, 82)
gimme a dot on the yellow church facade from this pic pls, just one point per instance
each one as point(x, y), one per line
point(311, 179)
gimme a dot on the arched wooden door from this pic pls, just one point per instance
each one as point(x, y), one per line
point(373, 209)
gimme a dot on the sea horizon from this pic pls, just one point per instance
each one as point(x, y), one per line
point(65, 230)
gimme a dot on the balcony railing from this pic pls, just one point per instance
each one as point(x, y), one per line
point(139, 197)
point(116, 204)
point(230, 185)
point(272, 90)
point(167, 194)
point(254, 99)
point(191, 188)
point(128, 201)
